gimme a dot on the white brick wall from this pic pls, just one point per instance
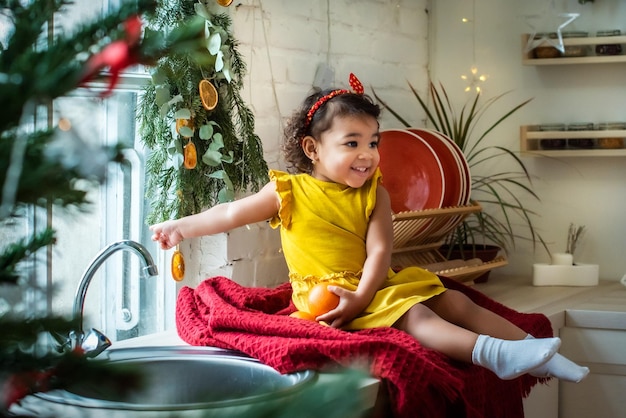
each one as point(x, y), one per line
point(384, 42)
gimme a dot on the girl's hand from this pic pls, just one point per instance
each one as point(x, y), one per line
point(350, 305)
point(166, 234)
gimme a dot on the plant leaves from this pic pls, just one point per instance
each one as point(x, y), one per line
point(214, 43)
point(212, 158)
point(218, 142)
point(183, 113)
point(501, 193)
point(219, 61)
point(202, 11)
point(185, 131)
point(162, 95)
point(158, 77)
point(205, 132)
point(225, 195)
point(230, 158)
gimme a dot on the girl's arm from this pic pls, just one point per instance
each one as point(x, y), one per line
point(379, 243)
point(221, 218)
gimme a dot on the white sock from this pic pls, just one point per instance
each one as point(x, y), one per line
point(509, 359)
point(560, 367)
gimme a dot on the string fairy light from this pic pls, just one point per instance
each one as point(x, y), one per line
point(473, 78)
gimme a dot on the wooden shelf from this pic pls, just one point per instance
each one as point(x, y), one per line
point(529, 59)
point(530, 137)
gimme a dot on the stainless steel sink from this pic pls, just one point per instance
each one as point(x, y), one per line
point(184, 379)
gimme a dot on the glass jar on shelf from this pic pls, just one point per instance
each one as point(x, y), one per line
point(608, 49)
point(612, 141)
point(582, 143)
point(552, 143)
point(575, 50)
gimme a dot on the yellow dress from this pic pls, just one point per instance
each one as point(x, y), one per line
point(323, 226)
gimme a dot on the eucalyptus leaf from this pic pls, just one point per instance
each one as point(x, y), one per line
point(214, 43)
point(212, 158)
point(202, 11)
point(158, 77)
point(162, 95)
point(230, 158)
point(185, 131)
point(218, 174)
point(219, 61)
point(218, 141)
point(174, 147)
point(206, 132)
point(225, 195)
point(163, 109)
point(183, 113)
point(215, 146)
point(222, 175)
point(227, 65)
point(227, 75)
point(227, 181)
point(176, 99)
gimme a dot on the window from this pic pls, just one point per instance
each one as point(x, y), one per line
point(119, 302)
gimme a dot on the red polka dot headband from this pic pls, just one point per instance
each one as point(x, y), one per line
point(356, 86)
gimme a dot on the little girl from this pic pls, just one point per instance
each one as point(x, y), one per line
point(336, 227)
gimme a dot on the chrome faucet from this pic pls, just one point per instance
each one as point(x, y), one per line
point(94, 342)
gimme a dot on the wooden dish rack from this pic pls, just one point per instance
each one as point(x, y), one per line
point(418, 236)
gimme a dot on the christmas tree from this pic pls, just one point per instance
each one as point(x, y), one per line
point(36, 67)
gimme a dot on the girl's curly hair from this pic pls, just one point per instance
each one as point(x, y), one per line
point(296, 128)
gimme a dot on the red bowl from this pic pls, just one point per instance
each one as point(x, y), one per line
point(412, 172)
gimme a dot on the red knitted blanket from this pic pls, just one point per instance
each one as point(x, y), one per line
point(420, 382)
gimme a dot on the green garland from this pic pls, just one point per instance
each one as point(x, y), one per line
point(230, 154)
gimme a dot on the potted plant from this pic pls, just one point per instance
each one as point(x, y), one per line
point(501, 194)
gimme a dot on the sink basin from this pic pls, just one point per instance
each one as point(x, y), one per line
point(184, 380)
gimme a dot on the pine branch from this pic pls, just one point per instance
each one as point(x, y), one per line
point(17, 252)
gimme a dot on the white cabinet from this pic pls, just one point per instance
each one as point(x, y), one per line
point(591, 322)
point(603, 392)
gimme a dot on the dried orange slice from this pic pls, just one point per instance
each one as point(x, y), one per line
point(208, 94)
point(224, 3)
point(190, 159)
point(178, 265)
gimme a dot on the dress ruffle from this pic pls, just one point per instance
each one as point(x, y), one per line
point(283, 188)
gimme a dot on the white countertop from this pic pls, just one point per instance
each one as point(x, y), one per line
point(601, 306)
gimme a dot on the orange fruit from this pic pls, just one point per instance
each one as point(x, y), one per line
point(321, 300)
point(190, 156)
point(302, 315)
point(224, 3)
point(208, 94)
